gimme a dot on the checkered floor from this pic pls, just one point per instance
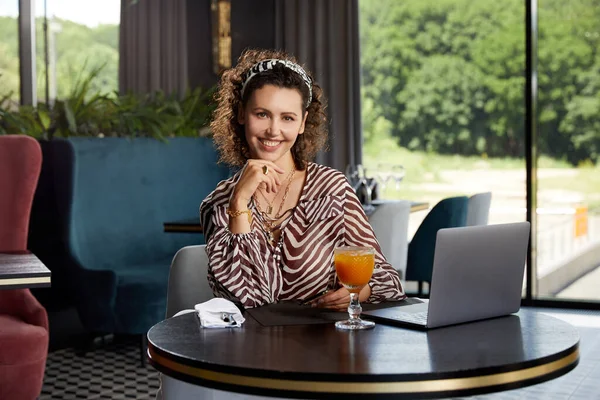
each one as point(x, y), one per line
point(112, 371)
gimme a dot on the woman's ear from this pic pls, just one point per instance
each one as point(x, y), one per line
point(303, 125)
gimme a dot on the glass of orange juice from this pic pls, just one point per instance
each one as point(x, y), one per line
point(354, 267)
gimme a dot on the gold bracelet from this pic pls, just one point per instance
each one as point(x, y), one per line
point(237, 213)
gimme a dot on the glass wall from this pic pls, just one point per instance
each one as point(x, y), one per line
point(80, 39)
point(569, 144)
point(443, 101)
point(444, 115)
point(76, 41)
point(9, 51)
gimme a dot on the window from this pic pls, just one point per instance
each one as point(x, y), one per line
point(442, 95)
point(569, 143)
point(82, 39)
point(9, 50)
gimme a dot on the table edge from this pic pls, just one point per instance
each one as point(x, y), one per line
point(181, 228)
point(513, 376)
point(28, 282)
point(419, 206)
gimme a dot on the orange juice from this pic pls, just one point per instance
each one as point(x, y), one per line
point(354, 267)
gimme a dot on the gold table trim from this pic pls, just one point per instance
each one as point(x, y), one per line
point(419, 207)
point(416, 386)
point(24, 281)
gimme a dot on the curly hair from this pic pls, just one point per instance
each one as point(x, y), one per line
point(229, 135)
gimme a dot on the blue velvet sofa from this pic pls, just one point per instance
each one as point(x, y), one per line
point(98, 220)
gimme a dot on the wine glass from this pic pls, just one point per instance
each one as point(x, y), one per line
point(398, 172)
point(383, 175)
point(354, 267)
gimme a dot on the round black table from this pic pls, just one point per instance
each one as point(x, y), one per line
point(318, 361)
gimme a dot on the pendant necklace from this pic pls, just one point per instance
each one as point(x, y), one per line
point(268, 220)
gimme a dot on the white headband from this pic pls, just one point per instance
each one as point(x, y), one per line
point(267, 65)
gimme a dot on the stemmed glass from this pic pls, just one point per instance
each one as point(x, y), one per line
point(383, 176)
point(353, 173)
point(354, 267)
point(398, 173)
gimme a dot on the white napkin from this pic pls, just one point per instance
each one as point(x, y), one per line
point(219, 313)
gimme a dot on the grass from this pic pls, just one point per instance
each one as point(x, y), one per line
point(422, 168)
point(586, 181)
point(419, 163)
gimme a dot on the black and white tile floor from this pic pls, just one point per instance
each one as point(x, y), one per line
point(113, 371)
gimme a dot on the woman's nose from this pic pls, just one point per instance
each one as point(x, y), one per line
point(274, 127)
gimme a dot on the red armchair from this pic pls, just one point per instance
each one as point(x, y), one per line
point(23, 321)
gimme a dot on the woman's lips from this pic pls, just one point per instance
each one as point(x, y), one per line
point(270, 145)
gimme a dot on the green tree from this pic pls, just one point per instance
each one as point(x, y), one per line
point(9, 58)
point(448, 75)
point(581, 123)
point(79, 50)
point(568, 47)
point(444, 115)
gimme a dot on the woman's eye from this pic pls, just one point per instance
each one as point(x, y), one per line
point(261, 114)
point(288, 118)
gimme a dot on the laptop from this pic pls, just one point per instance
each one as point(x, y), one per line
point(477, 274)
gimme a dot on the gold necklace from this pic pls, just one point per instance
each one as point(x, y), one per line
point(268, 221)
point(270, 203)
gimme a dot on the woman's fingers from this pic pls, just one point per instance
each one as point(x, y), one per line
point(267, 173)
point(337, 298)
point(270, 184)
point(263, 173)
point(273, 175)
point(271, 166)
point(266, 167)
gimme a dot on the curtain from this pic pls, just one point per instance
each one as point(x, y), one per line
point(153, 46)
point(323, 34)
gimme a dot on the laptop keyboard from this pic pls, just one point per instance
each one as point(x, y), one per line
point(419, 318)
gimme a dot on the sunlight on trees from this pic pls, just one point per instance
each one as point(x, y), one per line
point(447, 76)
point(79, 49)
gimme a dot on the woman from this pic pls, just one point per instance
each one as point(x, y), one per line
point(271, 229)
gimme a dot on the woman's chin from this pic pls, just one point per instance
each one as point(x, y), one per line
point(272, 155)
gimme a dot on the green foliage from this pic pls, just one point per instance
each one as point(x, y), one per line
point(448, 76)
point(87, 112)
point(76, 46)
point(87, 81)
point(441, 115)
point(9, 60)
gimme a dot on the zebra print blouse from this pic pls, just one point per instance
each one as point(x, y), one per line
point(246, 268)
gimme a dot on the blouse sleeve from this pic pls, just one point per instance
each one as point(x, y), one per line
point(385, 282)
point(237, 263)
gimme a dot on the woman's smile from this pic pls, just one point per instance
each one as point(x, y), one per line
point(270, 145)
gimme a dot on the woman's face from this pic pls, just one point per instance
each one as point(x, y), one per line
point(273, 118)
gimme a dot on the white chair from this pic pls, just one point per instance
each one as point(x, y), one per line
point(479, 209)
point(188, 285)
point(390, 224)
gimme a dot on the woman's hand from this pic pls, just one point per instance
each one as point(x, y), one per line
point(339, 300)
point(253, 175)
